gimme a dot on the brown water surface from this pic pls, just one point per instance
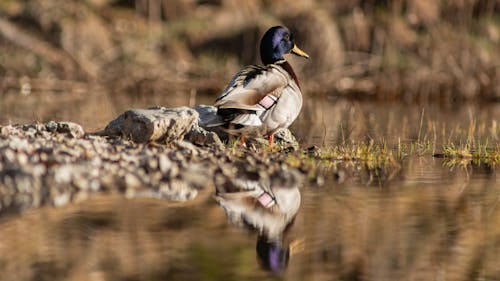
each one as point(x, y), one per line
point(323, 121)
point(431, 221)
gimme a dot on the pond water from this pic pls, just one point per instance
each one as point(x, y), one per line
point(431, 221)
point(323, 121)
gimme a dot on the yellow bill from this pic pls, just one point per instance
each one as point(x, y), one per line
point(297, 51)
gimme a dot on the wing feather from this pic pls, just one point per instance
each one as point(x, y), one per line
point(251, 85)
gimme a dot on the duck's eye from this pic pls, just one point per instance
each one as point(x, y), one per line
point(286, 37)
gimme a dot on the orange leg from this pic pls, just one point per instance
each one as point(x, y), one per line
point(271, 139)
point(243, 141)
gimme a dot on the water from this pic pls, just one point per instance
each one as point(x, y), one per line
point(323, 121)
point(431, 221)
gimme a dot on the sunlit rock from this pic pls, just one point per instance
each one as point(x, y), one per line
point(158, 124)
point(200, 136)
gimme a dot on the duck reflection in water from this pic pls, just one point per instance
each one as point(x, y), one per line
point(267, 206)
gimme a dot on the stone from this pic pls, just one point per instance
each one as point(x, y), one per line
point(6, 130)
point(207, 116)
point(71, 129)
point(199, 136)
point(51, 126)
point(158, 124)
point(164, 163)
point(286, 140)
point(132, 181)
point(177, 190)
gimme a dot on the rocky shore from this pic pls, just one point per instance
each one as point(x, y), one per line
point(156, 152)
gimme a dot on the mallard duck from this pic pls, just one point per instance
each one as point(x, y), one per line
point(261, 99)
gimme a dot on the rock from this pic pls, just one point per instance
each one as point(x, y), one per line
point(313, 151)
point(61, 199)
point(197, 175)
point(177, 190)
point(199, 136)
point(153, 124)
point(164, 163)
point(208, 115)
point(69, 128)
point(18, 189)
point(6, 130)
point(132, 181)
point(286, 140)
point(51, 126)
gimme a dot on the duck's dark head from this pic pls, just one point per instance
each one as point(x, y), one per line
point(277, 42)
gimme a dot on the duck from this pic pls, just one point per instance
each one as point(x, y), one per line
point(262, 99)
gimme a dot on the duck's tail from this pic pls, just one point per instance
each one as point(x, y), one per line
point(213, 117)
point(249, 119)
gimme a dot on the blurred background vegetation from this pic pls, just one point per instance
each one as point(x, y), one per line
point(411, 50)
